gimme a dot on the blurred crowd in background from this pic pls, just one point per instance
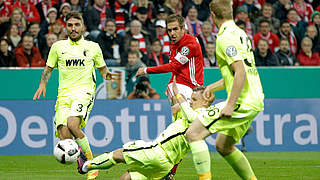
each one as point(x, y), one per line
point(282, 32)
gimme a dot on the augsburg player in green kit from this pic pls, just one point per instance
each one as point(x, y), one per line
point(76, 60)
point(153, 160)
point(245, 97)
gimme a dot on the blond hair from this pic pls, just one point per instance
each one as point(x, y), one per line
point(222, 9)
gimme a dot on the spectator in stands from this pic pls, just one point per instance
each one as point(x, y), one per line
point(7, 58)
point(265, 33)
point(122, 14)
point(76, 5)
point(286, 32)
point(95, 18)
point(136, 33)
point(298, 27)
point(134, 63)
point(304, 10)
point(38, 38)
point(65, 8)
point(173, 7)
point(156, 57)
point(202, 7)
point(143, 3)
point(133, 46)
point(206, 36)
point(147, 25)
point(242, 25)
point(263, 55)
point(58, 29)
point(50, 39)
point(143, 90)
point(51, 17)
point(242, 14)
point(312, 33)
point(266, 13)
point(306, 57)
point(5, 12)
point(316, 22)
point(27, 54)
point(110, 44)
point(163, 36)
point(192, 21)
point(30, 12)
point(43, 8)
point(253, 9)
point(210, 58)
point(285, 57)
point(13, 36)
point(281, 8)
point(161, 14)
point(17, 18)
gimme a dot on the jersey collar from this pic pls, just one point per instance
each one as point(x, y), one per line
point(225, 25)
point(75, 43)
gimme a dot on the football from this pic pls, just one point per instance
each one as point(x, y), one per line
point(66, 151)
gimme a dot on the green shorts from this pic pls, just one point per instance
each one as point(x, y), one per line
point(146, 160)
point(79, 105)
point(236, 126)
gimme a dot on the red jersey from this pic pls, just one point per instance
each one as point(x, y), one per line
point(272, 39)
point(186, 62)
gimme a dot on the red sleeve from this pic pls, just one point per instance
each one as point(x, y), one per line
point(165, 68)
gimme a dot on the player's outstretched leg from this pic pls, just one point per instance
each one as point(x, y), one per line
point(104, 161)
point(235, 158)
point(201, 159)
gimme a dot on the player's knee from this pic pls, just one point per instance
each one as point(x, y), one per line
point(191, 136)
point(64, 132)
point(223, 149)
point(73, 125)
point(118, 156)
point(125, 176)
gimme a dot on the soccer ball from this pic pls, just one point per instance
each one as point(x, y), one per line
point(66, 151)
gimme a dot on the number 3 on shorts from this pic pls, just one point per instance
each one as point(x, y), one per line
point(80, 106)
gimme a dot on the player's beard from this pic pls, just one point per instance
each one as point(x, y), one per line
point(76, 38)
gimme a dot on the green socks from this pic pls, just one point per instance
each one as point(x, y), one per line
point(104, 161)
point(201, 159)
point(84, 144)
point(240, 164)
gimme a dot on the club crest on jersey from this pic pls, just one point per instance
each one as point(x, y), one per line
point(184, 51)
point(231, 51)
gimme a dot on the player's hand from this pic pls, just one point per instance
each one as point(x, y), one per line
point(140, 72)
point(174, 86)
point(207, 94)
point(226, 112)
point(110, 75)
point(41, 90)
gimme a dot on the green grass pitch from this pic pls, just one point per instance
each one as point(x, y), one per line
point(267, 166)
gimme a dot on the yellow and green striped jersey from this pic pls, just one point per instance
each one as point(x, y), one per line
point(233, 45)
point(76, 62)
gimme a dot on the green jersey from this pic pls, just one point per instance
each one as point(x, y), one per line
point(76, 62)
point(233, 45)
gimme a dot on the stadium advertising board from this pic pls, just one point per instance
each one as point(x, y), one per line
point(26, 127)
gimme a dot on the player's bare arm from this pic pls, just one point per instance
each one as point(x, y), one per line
point(216, 86)
point(45, 76)
point(106, 74)
point(238, 83)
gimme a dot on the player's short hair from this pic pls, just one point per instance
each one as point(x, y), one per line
point(74, 14)
point(222, 9)
point(174, 18)
point(134, 53)
point(201, 90)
